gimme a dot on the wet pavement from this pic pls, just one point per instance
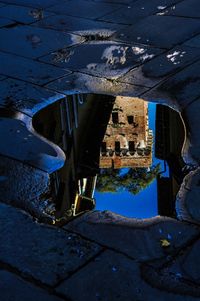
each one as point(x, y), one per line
point(51, 49)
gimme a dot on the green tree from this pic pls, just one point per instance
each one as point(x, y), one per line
point(134, 180)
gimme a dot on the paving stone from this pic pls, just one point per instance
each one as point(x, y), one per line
point(180, 89)
point(79, 25)
point(45, 253)
point(180, 276)
point(191, 149)
point(32, 3)
point(138, 239)
point(134, 12)
point(187, 201)
point(2, 77)
point(83, 83)
point(29, 70)
point(190, 262)
point(86, 9)
point(31, 188)
point(194, 42)
point(25, 97)
point(16, 289)
point(159, 31)
point(34, 42)
point(5, 22)
point(113, 277)
point(106, 59)
point(22, 14)
point(116, 1)
point(185, 9)
point(22, 143)
point(161, 67)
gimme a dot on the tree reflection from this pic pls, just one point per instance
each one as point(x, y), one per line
point(133, 180)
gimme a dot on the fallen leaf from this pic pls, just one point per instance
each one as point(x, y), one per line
point(165, 243)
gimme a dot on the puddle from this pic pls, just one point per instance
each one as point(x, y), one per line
point(122, 154)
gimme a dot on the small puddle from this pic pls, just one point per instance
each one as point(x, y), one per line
point(122, 154)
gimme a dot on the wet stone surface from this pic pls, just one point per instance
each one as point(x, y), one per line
point(32, 3)
point(113, 277)
point(28, 70)
point(5, 22)
point(159, 31)
point(34, 42)
point(78, 25)
point(166, 250)
point(180, 89)
point(134, 12)
point(26, 146)
point(2, 77)
point(188, 197)
point(25, 97)
point(30, 188)
point(14, 288)
point(161, 67)
point(191, 147)
point(45, 253)
point(84, 83)
point(24, 15)
point(138, 239)
point(194, 42)
point(87, 9)
point(184, 10)
point(180, 275)
point(105, 59)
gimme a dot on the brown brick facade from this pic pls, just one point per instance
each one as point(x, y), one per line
point(128, 140)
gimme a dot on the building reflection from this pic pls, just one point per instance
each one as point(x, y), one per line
point(96, 131)
point(128, 139)
point(168, 144)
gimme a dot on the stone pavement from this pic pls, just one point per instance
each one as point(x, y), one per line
point(53, 48)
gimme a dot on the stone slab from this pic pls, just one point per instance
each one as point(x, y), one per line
point(34, 42)
point(191, 148)
point(105, 59)
point(83, 83)
point(30, 188)
point(185, 9)
point(159, 31)
point(2, 77)
point(46, 253)
point(187, 201)
point(180, 89)
point(139, 239)
point(116, 1)
point(29, 70)
point(22, 14)
point(113, 277)
point(32, 3)
point(20, 142)
point(5, 22)
point(24, 97)
point(86, 9)
point(194, 42)
point(135, 11)
point(78, 25)
point(16, 289)
point(180, 276)
point(161, 67)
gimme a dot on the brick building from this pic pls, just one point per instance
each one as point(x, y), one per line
point(128, 139)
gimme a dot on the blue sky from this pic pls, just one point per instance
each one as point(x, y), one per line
point(144, 204)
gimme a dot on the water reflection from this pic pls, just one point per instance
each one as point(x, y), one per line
point(108, 142)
